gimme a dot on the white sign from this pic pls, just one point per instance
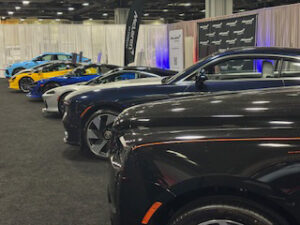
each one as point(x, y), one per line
point(176, 50)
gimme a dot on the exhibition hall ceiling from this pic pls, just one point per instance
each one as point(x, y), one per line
point(170, 10)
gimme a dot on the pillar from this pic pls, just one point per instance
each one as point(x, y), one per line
point(121, 15)
point(215, 8)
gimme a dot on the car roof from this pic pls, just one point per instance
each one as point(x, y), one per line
point(263, 50)
point(55, 53)
point(154, 70)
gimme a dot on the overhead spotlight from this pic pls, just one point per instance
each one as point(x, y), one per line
point(105, 14)
point(17, 7)
point(165, 10)
point(71, 8)
point(85, 4)
point(146, 14)
point(181, 14)
point(3, 17)
point(26, 2)
point(187, 4)
point(203, 11)
point(10, 13)
point(57, 20)
point(22, 20)
point(242, 10)
point(59, 13)
point(40, 19)
point(90, 19)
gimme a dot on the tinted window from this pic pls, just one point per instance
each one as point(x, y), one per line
point(242, 69)
point(290, 69)
point(63, 57)
point(46, 58)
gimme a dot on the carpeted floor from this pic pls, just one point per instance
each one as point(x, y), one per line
point(42, 180)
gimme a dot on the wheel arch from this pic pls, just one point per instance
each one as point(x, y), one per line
point(106, 106)
point(193, 190)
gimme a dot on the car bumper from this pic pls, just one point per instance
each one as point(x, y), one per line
point(72, 133)
point(34, 95)
point(51, 104)
point(14, 85)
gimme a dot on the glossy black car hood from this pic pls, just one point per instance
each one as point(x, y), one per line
point(218, 110)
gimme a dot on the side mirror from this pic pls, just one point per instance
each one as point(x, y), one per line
point(201, 78)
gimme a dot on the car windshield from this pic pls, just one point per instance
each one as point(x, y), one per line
point(102, 79)
point(187, 71)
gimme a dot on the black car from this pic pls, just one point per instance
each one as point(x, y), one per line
point(233, 70)
point(224, 159)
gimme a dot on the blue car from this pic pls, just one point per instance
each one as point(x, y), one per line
point(89, 115)
point(46, 57)
point(80, 74)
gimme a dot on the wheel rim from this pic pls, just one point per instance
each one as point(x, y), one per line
point(220, 222)
point(98, 134)
point(25, 84)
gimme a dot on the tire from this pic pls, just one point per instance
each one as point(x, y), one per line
point(50, 86)
point(25, 83)
point(60, 104)
point(226, 211)
point(96, 134)
point(17, 70)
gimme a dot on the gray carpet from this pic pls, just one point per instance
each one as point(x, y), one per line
point(42, 180)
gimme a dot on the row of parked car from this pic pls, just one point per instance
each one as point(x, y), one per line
point(194, 147)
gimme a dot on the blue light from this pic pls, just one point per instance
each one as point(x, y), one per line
point(162, 57)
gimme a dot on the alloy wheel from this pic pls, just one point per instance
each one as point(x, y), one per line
point(220, 222)
point(26, 83)
point(98, 134)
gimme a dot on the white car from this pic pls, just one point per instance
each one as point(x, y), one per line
point(54, 98)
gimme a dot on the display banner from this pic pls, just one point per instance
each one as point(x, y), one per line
point(176, 50)
point(132, 30)
point(221, 35)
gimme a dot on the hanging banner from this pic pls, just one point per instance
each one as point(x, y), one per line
point(132, 30)
point(220, 35)
point(176, 50)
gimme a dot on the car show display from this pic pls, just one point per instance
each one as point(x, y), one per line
point(150, 113)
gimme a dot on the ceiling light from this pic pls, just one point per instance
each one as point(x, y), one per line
point(22, 20)
point(10, 13)
point(57, 20)
point(203, 10)
point(3, 17)
point(59, 13)
point(26, 2)
point(181, 14)
point(105, 14)
point(85, 4)
point(242, 10)
point(187, 4)
point(146, 14)
point(166, 10)
point(71, 8)
point(17, 7)
point(40, 19)
point(90, 19)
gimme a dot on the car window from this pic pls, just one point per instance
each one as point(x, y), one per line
point(146, 75)
point(242, 69)
point(105, 69)
point(91, 70)
point(46, 58)
point(62, 57)
point(290, 69)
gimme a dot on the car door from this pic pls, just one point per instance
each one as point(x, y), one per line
point(239, 73)
point(290, 72)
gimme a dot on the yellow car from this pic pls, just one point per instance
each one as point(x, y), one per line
point(24, 80)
